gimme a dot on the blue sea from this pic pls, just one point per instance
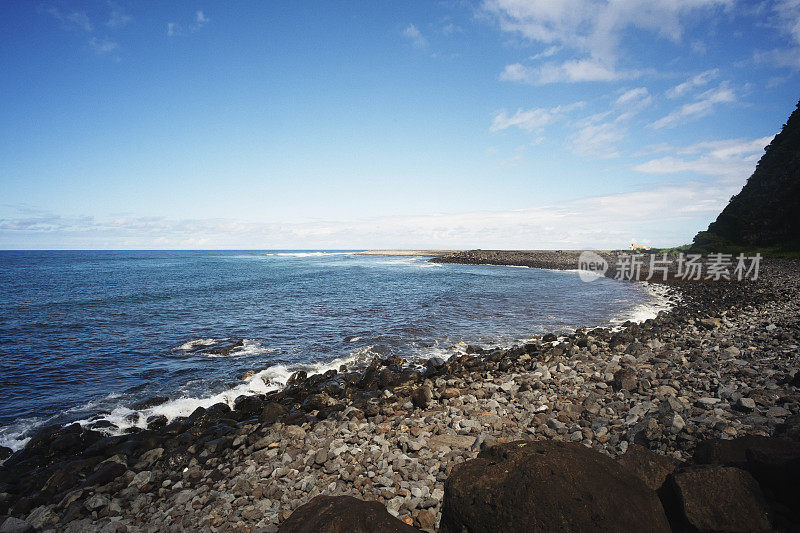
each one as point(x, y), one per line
point(84, 335)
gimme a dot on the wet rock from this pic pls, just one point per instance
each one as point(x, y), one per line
point(342, 514)
point(271, 412)
point(105, 473)
point(150, 402)
point(719, 498)
point(547, 485)
point(297, 378)
point(248, 406)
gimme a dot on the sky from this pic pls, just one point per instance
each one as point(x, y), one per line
point(351, 125)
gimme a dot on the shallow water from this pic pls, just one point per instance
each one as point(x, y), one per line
point(87, 332)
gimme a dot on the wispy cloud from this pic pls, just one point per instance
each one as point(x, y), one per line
point(117, 17)
point(102, 46)
point(702, 106)
point(531, 119)
point(695, 81)
point(415, 37)
point(592, 28)
point(598, 140)
point(200, 20)
point(578, 70)
point(733, 159)
point(175, 29)
point(72, 20)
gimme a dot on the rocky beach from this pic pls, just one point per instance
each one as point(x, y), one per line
point(688, 421)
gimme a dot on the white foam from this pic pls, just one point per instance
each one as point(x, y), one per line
point(273, 378)
point(195, 343)
point(661, 298)
point(248, 347)
point(410, 261)
point(310, 254)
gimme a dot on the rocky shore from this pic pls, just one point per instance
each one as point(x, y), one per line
point(689, 421)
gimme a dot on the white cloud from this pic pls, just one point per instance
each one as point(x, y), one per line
point(598, 140)
point(531, 119)
point(665, 213)
point(73, 20)
point(176, 29)
point(702, 106)
point(788, 12)
point(117, 18)
point(786, 20)
point(578, 70)
point(695, 81)
point(415, 36)
point(732, 159)
point(594, 27)
point(200, 20)
point(450, 29)
point(102, 46)
point(634, 99)
point(548, 52)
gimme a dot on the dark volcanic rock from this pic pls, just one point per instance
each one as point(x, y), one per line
point(421, 396)
point(106, 472)
point(773, 462)
point(150, 402)
point(624, 379)
point(649, 466)
point(342, 514)
point(720, 498)
point(547, 486)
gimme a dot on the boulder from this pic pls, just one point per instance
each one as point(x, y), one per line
point(271, 412)
point(105, 473)
point(342, 514)
point(421, 396)
point(773, 462)
point(547, 486)
point(15, 525)
point(719, 498)
point(647, 465)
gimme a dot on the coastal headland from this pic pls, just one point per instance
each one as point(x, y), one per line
point(687, 421)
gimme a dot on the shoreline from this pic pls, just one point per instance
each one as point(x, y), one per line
point(374, 436)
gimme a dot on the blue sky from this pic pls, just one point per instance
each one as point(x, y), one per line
point(496, 123)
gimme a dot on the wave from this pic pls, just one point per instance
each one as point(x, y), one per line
point(661, 299)
point(308, 254)
point(413, 261)
point(270, 379)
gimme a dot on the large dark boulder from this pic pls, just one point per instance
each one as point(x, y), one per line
point(649, 466)
point(719, 498)
point(547, 486)
point(773, 462)
point(342, 514)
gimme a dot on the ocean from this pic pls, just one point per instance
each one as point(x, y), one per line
point(85, 335)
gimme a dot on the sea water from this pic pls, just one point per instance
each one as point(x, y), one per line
point(85, 335)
